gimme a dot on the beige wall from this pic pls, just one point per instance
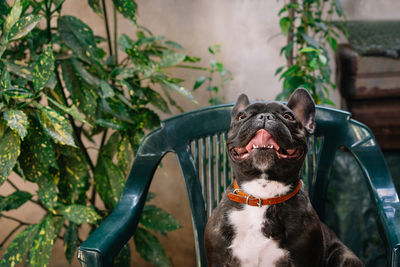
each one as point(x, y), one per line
point(245, 29)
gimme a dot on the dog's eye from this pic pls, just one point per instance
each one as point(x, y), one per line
point(241, 117)
point(288, 116)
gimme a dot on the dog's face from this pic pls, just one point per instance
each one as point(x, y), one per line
point(270, 138)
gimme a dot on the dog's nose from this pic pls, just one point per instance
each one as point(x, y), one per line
point(265, 116)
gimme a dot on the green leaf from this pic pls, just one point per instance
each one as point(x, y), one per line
point(332, 42)
point(109, 182)
point(111, 147)
point(82, 95)
point(18, 92)
point(84, 74)
point(14, 201)
point(158, 220)
point(170, 58)
point(156, 99)
point(285, 24)
point(123, 258)
point(150, 248)
point(80, 214)
point(127, 8)
point(20, 68)
point(70, 110)
point(290, 71)
point(293, 83)
point(5, 80)
point(23, 26)
point(47, 192)
point(44, 68)
point(310, 41)
point(70, 241)
point(179, 89)
point(199, 82)
point(95, 5)
point(322, 59)
point(21, 244)
point(125, 154)
point(79, 37)
point(37, 154)
point(106, 89)
point(13, 17)
point(17, 120)
point(308, 49)
point(43, 243)
point(10, 149)
point(74, 175)
point(339, 7)
point(279, 70)
point(56, 125)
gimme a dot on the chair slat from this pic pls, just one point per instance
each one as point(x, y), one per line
point(203, 170)
point(218, 166)
point(211, 198)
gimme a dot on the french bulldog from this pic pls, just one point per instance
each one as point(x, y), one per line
point(265, 217)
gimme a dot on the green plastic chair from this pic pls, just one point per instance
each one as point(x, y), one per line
point(198, 140)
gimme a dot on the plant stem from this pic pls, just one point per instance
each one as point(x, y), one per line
point(115, 37)
point(14, 219)
point(9, 235)
point(107, 28)
point(12, 184)
point(290, 37)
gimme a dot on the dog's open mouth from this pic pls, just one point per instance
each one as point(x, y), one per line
point(263, 140)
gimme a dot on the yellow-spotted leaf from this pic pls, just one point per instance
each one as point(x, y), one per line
point(80, 214)
point(158, 220)
point(13, 17)
point(14, 201)
point(10, 148)
point(127, 8)
point(20, 68)
point(21, 244)
point(44, 68)
point(23, 26)
point(17, 120)
point(5, 82)
point(56, 126)
point(71, 111)
point(150, 248)
point(95, 5)
point(79, 37)
point(170, 58)
point(71, 241)
point(43, 243)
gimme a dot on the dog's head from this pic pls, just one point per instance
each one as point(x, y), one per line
point(269, 139)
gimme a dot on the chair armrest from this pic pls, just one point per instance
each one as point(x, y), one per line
point(103, 245)
point(383, 193)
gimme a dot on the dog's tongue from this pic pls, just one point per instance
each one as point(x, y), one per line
point(262, 139)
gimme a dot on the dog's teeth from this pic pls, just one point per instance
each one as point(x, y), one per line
point(254, 146)
point(270, 146)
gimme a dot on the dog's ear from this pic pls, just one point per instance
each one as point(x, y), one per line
point(303, 107)
point(241, 103)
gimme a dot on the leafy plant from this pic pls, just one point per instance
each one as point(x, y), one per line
point(58, 90)
point(224, 75)
point(309, 27)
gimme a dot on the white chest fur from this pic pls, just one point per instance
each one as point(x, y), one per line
point(250, 245)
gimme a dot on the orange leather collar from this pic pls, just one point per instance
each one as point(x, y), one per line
point(241, 197)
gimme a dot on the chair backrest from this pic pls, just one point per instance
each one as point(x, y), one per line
point(198, 138)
